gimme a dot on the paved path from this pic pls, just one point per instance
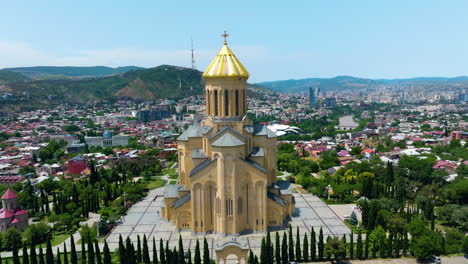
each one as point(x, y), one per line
point(445, 260)
point(144, 218)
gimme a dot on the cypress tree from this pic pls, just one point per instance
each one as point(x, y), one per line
point(343, 240)
point(284, 249)
point(145, 256)
point(129, 251)
point(305, 251)
point(443, 243)
point(277, 249)
point(169, 254)
point(206, 252)
point(366, 248)
point(189, 256)
point(138, 249)
point(175, 256)
point(41, 256)
point(122, 251)
point(197, 259)
point(359, 245)
point(313, 250)
point(49, 253)
point(298, 245)
point(65, 254)
point(180, 255)
point(155, 253)
point(320, 245)
point(269, 249)
point(32, 255)
point(73, 256)
point(90, 252)
point(98, 253)
point(397, 246)
point(25, 255)
point(107, 255)
point(256, 260)
point(291, 245)
point(351, 245)
point(251, 258)
point(328, 253)
point(263, 253)
point(83, 251)
point(162, 256)
point(59, 259)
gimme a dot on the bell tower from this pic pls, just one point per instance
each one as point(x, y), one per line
point(226, 85)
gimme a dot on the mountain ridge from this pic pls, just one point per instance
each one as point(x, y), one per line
point(70, 71)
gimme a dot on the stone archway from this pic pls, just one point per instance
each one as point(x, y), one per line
point(232, 248)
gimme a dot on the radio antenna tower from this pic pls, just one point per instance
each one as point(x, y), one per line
point(193, 57)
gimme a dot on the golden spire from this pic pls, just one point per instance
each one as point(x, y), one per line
point(225, 64)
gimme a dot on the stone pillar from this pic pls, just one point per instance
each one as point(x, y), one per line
point(207, 105)
point(222, 196)
point(235, 197)
point(212, 104)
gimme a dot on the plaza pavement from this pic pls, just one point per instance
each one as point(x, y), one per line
point(144, 218)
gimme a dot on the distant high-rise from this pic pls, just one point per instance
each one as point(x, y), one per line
point(329, 102)
point(313, 93)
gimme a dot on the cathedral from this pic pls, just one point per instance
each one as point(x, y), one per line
point(227, 165)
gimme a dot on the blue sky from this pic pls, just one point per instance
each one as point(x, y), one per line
point(275, 40)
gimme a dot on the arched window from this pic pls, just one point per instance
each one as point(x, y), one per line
point(226, 103)
point(216, 103)
point(237, 102)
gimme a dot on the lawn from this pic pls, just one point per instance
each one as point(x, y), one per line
point(153, 184)
point(57, 239)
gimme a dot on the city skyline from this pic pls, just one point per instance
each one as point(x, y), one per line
point(276, 42)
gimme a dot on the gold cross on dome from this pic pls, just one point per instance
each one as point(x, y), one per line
point(225, 35)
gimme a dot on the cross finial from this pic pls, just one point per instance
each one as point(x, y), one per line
point(225, 35)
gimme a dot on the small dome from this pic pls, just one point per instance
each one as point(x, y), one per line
point(107, 135)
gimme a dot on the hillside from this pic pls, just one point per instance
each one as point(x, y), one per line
point(348, 82)
point(161, 82)
point(66, 71)
point(9, 76)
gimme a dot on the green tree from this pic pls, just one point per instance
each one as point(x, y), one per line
point(320, 245)
point(12, 239)
point(284, 249)
point(277, 249)
point(73, 256)
point(41, 256)
point(98, 252)
point(162, 256)
point(65, 254)
point(298, 246)
point(49, 253)
point(206, 252)
point(155, 253)
point(291, 245)
point(91, 259)
point(197, 259)
point(107, 255)
point(263, 253)
point(25, 255)
point(146, 257)
point(305, 250)
point(32, 255)
point(335, 247)
point(351, 244)
point(83, 249)
point(122, 251)
point(138, 254)
point(313, 250)
point(59, 259)
point(359, 245)
point(366, 248)
point(180, 256)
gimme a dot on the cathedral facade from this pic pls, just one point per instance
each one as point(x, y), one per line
point(227, 165)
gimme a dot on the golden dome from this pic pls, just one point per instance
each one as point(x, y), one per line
point(225, 64)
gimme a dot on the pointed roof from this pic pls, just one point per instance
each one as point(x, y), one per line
point(9, 194)
point(227, 140)
point(225, 64)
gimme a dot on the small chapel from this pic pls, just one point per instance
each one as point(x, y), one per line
point(227, 164)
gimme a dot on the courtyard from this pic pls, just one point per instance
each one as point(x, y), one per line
point(144, 218)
